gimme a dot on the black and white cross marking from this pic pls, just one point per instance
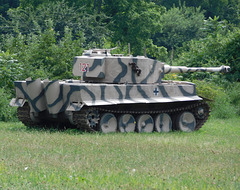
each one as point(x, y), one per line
point(156, 91)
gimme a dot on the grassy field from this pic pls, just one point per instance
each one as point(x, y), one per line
point(48, 159)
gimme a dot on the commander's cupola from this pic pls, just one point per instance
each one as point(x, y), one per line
point(97, 52)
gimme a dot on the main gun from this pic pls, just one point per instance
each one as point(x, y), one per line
point(183, 69)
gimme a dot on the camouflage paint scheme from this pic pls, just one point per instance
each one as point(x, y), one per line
point(107, 80)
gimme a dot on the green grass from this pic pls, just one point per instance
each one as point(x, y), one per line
point(48, 159)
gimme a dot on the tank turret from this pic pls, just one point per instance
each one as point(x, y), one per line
point(115, 93)
point(100, 66)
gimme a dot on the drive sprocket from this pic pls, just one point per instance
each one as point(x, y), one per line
point(87, 119)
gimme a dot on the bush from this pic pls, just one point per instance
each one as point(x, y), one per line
point(42, 55)
point(7, 113)
point(10, 70)
point(233, 92)
point(222, 107)
point(225, 98)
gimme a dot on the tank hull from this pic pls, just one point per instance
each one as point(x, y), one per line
point(59, 96)
point(83, 105)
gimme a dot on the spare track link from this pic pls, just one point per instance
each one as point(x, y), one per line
point(82, 123)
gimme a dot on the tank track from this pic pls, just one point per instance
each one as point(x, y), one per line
point(23, 114)
point(80, 118)
point(42, 121)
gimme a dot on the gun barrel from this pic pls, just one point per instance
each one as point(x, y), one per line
point(183, 69)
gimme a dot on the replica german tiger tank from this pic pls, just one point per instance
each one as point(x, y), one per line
point(115, 93)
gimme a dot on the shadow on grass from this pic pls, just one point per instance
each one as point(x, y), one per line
point(72, 130)
point(49, 128)
point(57, 128)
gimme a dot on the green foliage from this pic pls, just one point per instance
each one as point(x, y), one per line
point(134, 22)
point(7, 113)
point(179, 25)
point(43, 56)
point(153, 51)
point(233, 92)
point(62, 53)
point(220, 47)
point(222, 107)
point(34, 3)
point(214, 27)
point(10, 70)
point(225, 9)
point(76, 3)
point(224, 100)
point(5, 5)
point(207, 90)
point(32, 20)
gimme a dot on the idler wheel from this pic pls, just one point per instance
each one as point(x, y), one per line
point(163, 123)
point(108, 123)
point(186, 122)
point(145, 123)
point(126, 123)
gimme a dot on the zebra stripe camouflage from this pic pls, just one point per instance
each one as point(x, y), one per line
point(58, 96)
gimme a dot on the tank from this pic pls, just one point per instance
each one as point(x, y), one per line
point(114, 93)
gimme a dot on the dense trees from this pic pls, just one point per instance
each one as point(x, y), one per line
point(225, 9)
point(135, 22)
point(5, 5)
point(39, 38)
point(179, 25)
point(30, 20)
